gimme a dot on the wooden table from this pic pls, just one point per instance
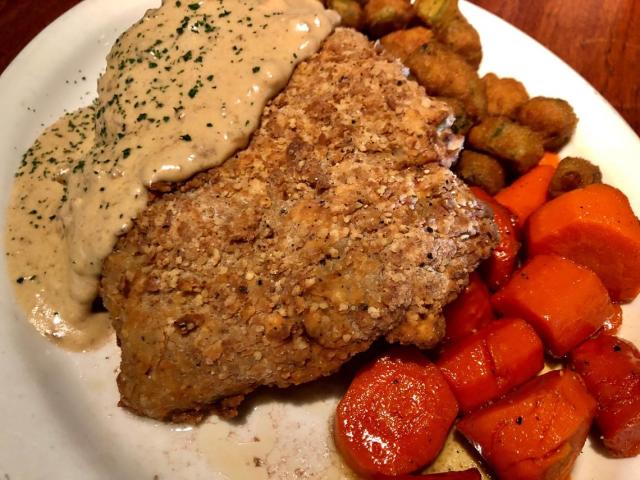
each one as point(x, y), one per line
point(599, 38)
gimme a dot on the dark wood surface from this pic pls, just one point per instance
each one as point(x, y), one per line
point(600, 39)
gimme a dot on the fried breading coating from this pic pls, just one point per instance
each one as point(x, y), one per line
point(351, 12)
point(461, 37)
point(517, 146)
point(504, 95)
point(553, 118)
point(482, 171)
point(385, 16)
point(463, 122)
point(402, 43)
point(335, 227)
point(573, 173)
point(444, 73)
point(436, 13)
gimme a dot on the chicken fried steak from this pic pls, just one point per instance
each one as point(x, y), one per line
point(335, 227)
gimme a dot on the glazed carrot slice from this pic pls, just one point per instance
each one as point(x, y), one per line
point(471, 311)
point(527, 193)
point(486, 365)
point(497, 269)
point(595, 227)
point(613, 323)
point(610, 368)
point(471, 474)
point(565, 302)
point(550, 158)
point(395, 415)
point(536, 432)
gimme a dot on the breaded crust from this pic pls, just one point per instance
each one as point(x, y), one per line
point(335, 227)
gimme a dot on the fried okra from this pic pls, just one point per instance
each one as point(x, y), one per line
point(519, 147)
point(482, 171)
point(573, 173)
point(460, 36)
point(402, 43)
point(350, 12)
point(463, 122)
point(553, 118)
point(504, 95)
point(436, 13)
point(444, 73)
point(384, 16)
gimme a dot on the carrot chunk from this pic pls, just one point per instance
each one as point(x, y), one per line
point(550, 158)
point(470, 311)
point(613, 323)
point(595, 227)
point(488, 364)
point(565, 302)
point(610, 367)
point(536, 432)
point(471, 474)
point(527, 193)
point(395, 415)
point(497, 269)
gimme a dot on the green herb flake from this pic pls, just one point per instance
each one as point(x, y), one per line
point(79, 167)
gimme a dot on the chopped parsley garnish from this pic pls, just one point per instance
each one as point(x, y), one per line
point(79, 167)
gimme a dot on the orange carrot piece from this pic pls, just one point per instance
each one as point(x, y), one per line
point(486, 365)
point(613, 323)
point(550, 158)
point(536, 432)
point(469, 312)
point(395, 415)
point(610, 367)
point(565, 302)
point(471, 474)
point(497, 269)
point(527, 193)
point(595, 227)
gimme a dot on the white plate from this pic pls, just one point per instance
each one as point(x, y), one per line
point(60, 418)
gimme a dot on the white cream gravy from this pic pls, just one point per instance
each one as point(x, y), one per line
point(183, 90)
